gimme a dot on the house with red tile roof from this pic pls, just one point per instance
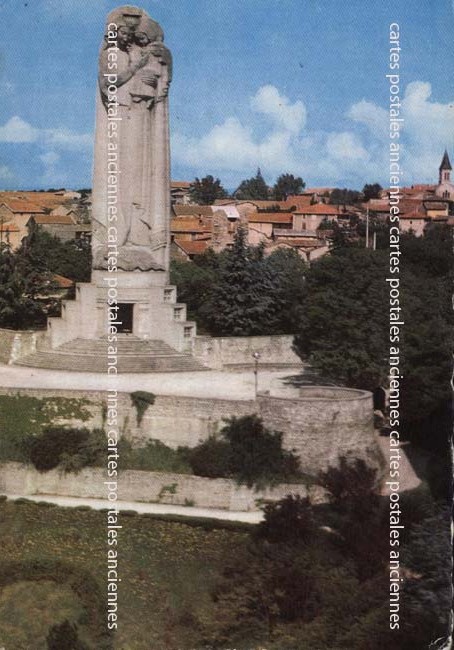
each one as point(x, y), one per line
point(262, 226)
point(310, 217)
point(189, 228)
point(65, 227)
point(187, 250)
point(16, 214)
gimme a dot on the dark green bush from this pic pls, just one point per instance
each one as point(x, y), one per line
point(289, 520)
point(154, 456)
point(248, 452)
point(212, 458)
point(72, 449)
point(64, 637)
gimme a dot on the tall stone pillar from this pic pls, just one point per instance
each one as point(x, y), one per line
point(131, 193)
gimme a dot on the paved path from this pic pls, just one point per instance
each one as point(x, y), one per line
point(215, 384)
point(155, 508)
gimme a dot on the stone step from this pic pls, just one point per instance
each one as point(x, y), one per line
point(133, 355)
point(124, 346)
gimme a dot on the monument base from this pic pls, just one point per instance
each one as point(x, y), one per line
point(145, 304)
point(149, 332)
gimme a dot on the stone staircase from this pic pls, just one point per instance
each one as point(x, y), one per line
point(133, 355)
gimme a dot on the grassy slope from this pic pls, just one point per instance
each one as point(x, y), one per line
point(166, 568)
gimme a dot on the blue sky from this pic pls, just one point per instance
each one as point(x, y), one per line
point(288, 85)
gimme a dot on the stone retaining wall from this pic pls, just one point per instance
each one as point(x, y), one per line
point(323, 423)
point(319, 426)
point(224, 352)
point(147, 487)
point(16, 344)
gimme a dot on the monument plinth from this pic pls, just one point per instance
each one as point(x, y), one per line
point(131, 199)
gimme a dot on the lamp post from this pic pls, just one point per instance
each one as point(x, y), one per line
point(256, 357)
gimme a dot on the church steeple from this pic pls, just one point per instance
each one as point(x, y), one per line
point(445, 169)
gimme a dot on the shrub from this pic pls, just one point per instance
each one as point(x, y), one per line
point(212, 458)
point(257, 453)
point(249, 452)
point(155, 456)
point(352, 481)
point(64, 637)
point(70, 448)
point(289, 520)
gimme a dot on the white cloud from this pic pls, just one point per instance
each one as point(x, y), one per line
point(426, 120)
point(5, 173)
point(17, 130)
point(355, 154)
point(345, 146)
point(65, 139)
point(371, 115)
point(54, 173)
point(426, 130)
point(233, 145)
point(50, 159)
point(291, 117)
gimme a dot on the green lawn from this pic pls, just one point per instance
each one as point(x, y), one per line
point(22, 416)
point(167, 569)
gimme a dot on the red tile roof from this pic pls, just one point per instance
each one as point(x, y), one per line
point(9, 227)
point(63, 283)
point(297, 201)
point(377, 206)
point(191, 210)
point(270, 217)
point(413, 215)
point(188, 224)
point(319, 208)
point(57, 219)
point(16, 205)
point(192, 247)
point(41, 199)
point(302, 242)
point(318, 190)
point(185, 185)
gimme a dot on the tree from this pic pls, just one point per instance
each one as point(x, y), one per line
point(344, 196)
point(289, 520)
point(46, 253)
point(248, 452)
point(352, 481)
point(427, 590)
point(281, 274)
point(288, 271)
point(20, 286)
point(253, 188)
point(372, 191)
point(242, 298)
point(195, 282)
point(287, 184)
point(205, 191)
point(343, 322)
point(257, 453)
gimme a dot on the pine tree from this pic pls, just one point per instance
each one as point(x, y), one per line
point(242, 300)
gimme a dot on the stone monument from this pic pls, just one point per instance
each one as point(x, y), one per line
point(131, 199)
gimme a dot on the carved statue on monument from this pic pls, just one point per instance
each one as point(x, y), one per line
point(131, 180)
